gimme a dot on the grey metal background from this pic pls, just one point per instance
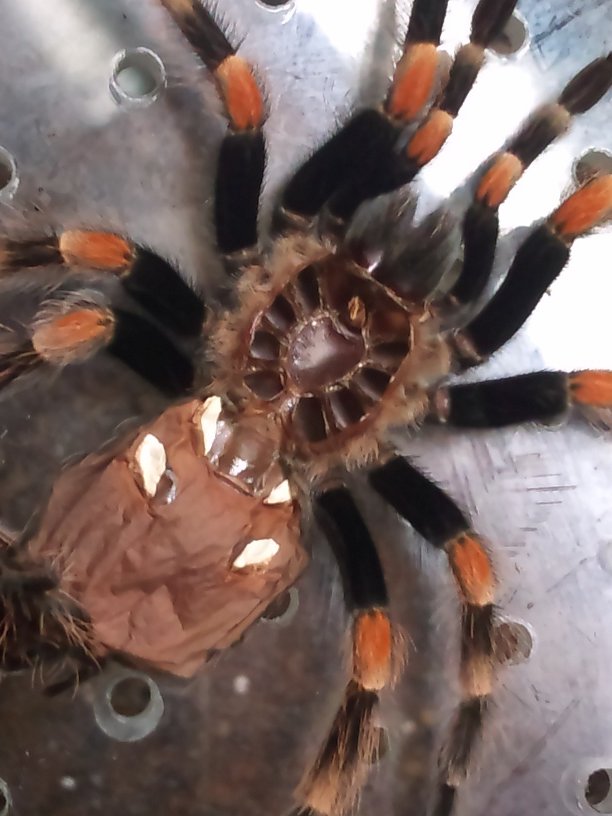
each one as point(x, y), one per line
point(542, 498)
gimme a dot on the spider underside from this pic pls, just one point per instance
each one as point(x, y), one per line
point(325, 344)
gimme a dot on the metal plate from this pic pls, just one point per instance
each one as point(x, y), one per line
point(236, 739)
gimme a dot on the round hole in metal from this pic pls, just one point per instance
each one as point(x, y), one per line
point(282, 609)
point(514, 38)
point(128, 706)
point(598, 790)
point(5, 799)
point(593, 162)
point(283, 10)
point(513, 643)
point(9, 180)
point(275, 5)
point(137, 77)
point(130, 696)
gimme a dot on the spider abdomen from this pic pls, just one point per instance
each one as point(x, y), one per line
point(167, 559)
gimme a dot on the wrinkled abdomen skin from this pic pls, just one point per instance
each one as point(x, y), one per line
point(155, 576)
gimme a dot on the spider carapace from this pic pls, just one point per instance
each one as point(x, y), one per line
point(332, 352)
point(334, 328)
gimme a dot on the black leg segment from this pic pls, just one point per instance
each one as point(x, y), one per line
point(161, 291)
point(538, 397)
point(353, 547)
point(147, 351)
point(418, 500)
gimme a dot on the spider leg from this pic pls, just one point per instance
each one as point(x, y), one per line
point(536, 397)
point(38, 624)
point(480, 227)
point(242, 158)
point(438, 519)
point(333, 782)
point(71, 328)
point(538, 261)
point(369, 156)
point(149, 279)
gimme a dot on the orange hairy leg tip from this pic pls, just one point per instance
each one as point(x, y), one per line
point(72, 332)
point(372, 649)
point(472, 569)
point(592, 388)
point(100, 250)
point(414, 81)
point(499, 179)
point(430, 137)
point(584, 210)
point(241, 95)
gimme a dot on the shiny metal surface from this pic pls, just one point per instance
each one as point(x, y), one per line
point(235, 740)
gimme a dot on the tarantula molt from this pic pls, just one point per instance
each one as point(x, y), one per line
point(163, 549)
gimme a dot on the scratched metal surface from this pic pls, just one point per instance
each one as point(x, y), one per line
point(235, 740)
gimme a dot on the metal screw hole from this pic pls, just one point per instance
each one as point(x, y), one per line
point(598, 790)
point(137, 77)
point(130, 696)
point(9, 180)
point(514, 38)
point(5, 799)
point(129, 706)
point(513, 643)
point(594, 162)
point(282, 609)
point(275, 5)
point(284, 9)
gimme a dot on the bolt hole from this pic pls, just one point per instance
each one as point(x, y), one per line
point(5, 798)
point(137, 77)
point(282, 609)
point(129, 706)
point(284, 9)
point(130, 697)
point(598, 790)
point(9, 180)
point(275, 5)
point(513, 643)
point(595, 162)
point(514, 37)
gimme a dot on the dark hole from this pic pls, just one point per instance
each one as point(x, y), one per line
point(512, 38)
point(6, 169)
point(274, 3)
point(6, 174)
point(513, 642)
point(599, 789)
point(278, 607)
point(130, 696)
point(4, 803)
point(592, 163)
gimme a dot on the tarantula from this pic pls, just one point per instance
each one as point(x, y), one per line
point(164, 548)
